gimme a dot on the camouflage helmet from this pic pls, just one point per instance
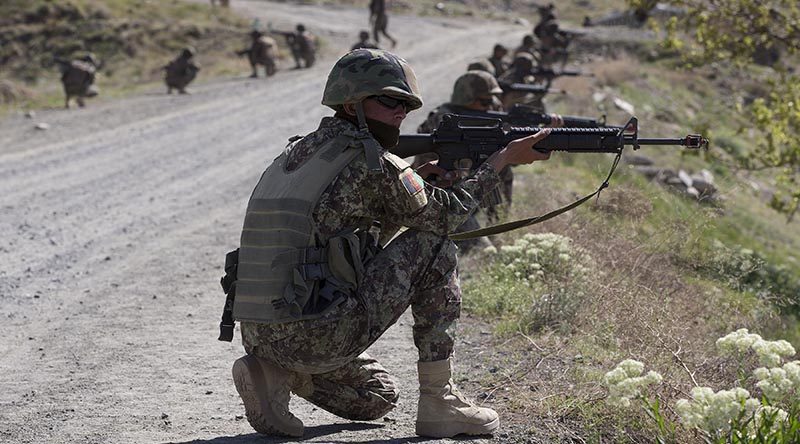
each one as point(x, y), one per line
point(362, 73)
point(473, 85)
point(523, 62)
point(188, 52)
point(89, 57)
point(481, 65)
point(527, 40)
point(300, 27)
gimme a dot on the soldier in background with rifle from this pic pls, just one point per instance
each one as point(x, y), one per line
point(553, 41)
point(474, 92)
point(498, 59)
point(302, 44)
point(77, 77)
point(262, 51)
point(521, 72)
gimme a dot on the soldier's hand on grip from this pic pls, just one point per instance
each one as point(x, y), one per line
point(520, 151)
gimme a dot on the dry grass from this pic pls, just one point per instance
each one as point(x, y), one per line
point(644, 304)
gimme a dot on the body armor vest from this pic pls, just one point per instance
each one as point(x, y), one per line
point(281, 264)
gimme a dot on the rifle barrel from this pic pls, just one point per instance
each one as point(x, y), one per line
point(661, 141)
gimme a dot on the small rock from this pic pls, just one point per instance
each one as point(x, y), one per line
point(239, 417)
point(30, 114)
point(521, 21)
point(208, 392)
point(42, 126)
point(598, 97)
point(685, 178)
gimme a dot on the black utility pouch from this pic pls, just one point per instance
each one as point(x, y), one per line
point(228, 283)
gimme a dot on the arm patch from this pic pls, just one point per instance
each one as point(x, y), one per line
point(413, 185)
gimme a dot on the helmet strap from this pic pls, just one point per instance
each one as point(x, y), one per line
point(372, 149)
point(362, 119)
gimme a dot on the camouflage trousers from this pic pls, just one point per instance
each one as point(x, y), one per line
point(417, 269)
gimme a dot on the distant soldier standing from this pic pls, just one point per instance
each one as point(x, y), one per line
point(363, 42)
point(379, 20)
point(261, 52)
point(78, 77)
point(181, 71)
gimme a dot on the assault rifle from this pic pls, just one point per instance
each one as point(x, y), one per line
point(474, 139)
point(466, 142)
point(550, 74)
point(526, 115)
point(529, 88)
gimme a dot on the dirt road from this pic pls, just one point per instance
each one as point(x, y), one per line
point(113, 228)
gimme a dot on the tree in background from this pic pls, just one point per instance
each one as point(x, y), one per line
point(746, 32)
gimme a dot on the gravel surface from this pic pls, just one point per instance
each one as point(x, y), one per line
point(114, 222)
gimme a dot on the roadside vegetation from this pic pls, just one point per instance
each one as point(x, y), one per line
point(645, 273)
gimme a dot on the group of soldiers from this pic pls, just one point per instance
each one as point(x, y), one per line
point(263, 49)
point(486, 86)
point(78, 76)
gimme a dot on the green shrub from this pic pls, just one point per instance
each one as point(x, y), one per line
point(745, 270)
point(537, 282)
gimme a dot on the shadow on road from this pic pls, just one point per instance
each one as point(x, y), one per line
point(310, 433)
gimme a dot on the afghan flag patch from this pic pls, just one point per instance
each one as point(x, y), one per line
point(411, 181)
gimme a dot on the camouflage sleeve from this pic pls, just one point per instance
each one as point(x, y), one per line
point(409, 201)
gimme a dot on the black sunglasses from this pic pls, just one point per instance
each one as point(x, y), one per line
point(391, 102)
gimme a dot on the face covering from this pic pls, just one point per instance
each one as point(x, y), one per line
point(387, 135)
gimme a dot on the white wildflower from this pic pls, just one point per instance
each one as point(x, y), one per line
point(714, 412)
point(625, 383)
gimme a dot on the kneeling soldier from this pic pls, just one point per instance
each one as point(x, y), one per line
point(318, 280)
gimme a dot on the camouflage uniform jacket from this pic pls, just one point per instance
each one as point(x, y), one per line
point(357, 198)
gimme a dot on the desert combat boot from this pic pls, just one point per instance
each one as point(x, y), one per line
point(264, 389)
point(443, 411)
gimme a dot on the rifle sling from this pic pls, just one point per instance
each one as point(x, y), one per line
point(508, 226)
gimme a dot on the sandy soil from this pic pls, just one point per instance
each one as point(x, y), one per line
point(114, 223)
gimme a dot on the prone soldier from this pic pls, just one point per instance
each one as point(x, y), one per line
point(320, 219)
point(181, 71)
point(77, 77)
